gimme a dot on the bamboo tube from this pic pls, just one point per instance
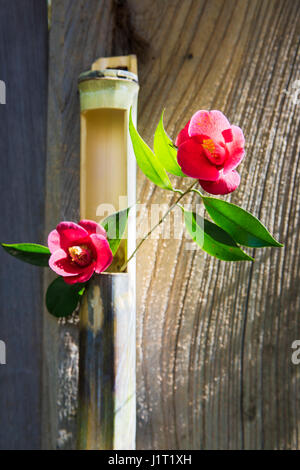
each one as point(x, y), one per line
point(107, 404)
point(107, 365)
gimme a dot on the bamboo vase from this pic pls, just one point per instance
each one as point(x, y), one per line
point(107, 398)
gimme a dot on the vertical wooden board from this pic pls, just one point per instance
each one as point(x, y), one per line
point(23, 26)
point(214, 339)
point(81, 32)
point(71, 50)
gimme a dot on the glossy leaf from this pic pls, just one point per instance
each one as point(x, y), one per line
point(244, 228)
point(165, 151)
point(115, 226)
point(213, 239)
point(31, 253)
point(62, 298)
point(147, 161)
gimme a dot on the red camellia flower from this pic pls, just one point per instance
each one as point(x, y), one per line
point(210, 149)
point(79, 250)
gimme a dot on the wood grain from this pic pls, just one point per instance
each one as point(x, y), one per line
point(215, 372)
point(214, 339)
point(23, 26)
point(80, 32)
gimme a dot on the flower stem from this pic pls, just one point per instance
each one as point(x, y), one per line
point(182, 194)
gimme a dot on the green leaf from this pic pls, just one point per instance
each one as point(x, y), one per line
point(31, 253)
point(212, 239)
point(165, 150)
point(115, 226)
point(62, 298)
point(244, 228)
point(147, 161)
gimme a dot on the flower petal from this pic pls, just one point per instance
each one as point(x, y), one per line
point(225, 184)
point(104, 253)
point(54, 241)
point(92, 227)
point(193, 162)
point(211, 123)
point(228, 136)
point(61, 263)
point(235, 149)
point(183, 135)
point(71, 234)
point(84, 276)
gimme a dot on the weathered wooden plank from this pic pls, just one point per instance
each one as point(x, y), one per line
point(23, 26)
point(214, 338)
point(81, 31)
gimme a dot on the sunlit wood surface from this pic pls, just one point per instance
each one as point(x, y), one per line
point(214, 339)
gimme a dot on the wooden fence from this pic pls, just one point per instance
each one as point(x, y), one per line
point(214, 339)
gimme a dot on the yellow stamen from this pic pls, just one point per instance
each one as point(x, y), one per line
point(210, 146)
point(80, 254)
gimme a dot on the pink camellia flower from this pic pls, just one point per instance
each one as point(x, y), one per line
point(209, 149)
point(79, 250)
